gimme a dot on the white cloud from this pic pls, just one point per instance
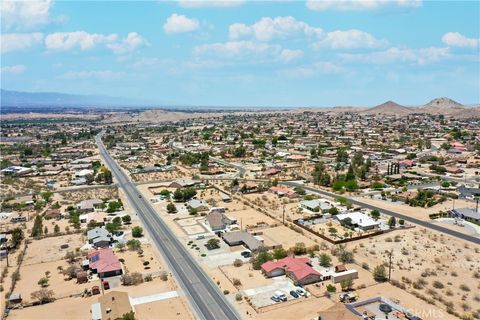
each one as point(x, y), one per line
point(19, 41)
point(16, 69)
point(268, 28)
point(178, 23)
point(77, 40)
point(128, 44)
point(418, 56)
point(25, 14)
point(96, 74)
point(455, 39)
point(287, 55)
point(319, 67)
point(349, 39)
point(237, 49)
point(345, 5)
point(210, 3)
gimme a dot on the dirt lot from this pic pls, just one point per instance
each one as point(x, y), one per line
point(48, 249)
point(446, 271)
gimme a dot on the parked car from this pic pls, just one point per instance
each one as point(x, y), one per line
point(106, 285)
point(294, 294)
point(279, 296)
point(347, 297)
point(301, 292)
point(246, 254)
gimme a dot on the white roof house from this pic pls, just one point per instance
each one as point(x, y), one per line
point(322, 204)
point(358, 218)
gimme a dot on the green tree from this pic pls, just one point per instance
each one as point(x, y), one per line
point(112, 227)
point(17, 237)
point(133, 244)
point(299, 248)
point(346, 256)
point(325, 260)
point(279, 253)
point(126, 219)
point(375, 214)
point(171, 208)
point(128, 316)
point(56, 229)
point(47, 195)
point(392, 222)
point(346, 284)
point(37, 226)
point(213, 243)
point(261, 258)
point(380, 273)
point(137, 232)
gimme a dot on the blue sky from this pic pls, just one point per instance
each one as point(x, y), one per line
point(243, 53)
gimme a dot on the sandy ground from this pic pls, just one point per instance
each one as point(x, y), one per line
point(419, 307)
point(172, 309)
point(422, 254)
point(75, 308)
point(287, 237)
point(48, 249)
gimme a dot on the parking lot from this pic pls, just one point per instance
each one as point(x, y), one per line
point(262, 296)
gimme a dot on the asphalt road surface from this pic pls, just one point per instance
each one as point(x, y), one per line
point(397, 215)
point(203, 294)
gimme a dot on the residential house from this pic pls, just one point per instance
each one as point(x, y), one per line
point(466, 214)
point(182, 183)
point(99, 237)
point(298, 269)
point(105, 263)
point(358, 219)
point(237, 238)
point(198, 205)
point(218, 221)
point(89, 205)
point(316, 205)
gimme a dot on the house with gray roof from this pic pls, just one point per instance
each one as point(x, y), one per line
point(242, 238)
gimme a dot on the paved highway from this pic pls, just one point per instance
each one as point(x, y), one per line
point(203, 294)
point(397, 215)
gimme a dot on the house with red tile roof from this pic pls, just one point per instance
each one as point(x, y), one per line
point(282, 191)
point(105, 263)
point(297, 269)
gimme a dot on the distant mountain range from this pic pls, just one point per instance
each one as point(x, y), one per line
point(443, 105)
point(18, 101)
point(54, 99)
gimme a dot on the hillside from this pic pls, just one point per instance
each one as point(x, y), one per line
point(388, 108)
point(445, 106)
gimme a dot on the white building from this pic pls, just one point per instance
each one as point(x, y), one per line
point(360, 219)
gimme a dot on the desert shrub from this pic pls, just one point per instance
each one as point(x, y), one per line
point(129, 279)
point(238, 263)
point(438, 285)
point(236, 282)
point(238, 297)
point(225, 292)
point(464, 287)
point(164, 276)
point(331, 288)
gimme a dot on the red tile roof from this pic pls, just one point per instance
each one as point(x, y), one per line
point(104, 260)
point(297, 266)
